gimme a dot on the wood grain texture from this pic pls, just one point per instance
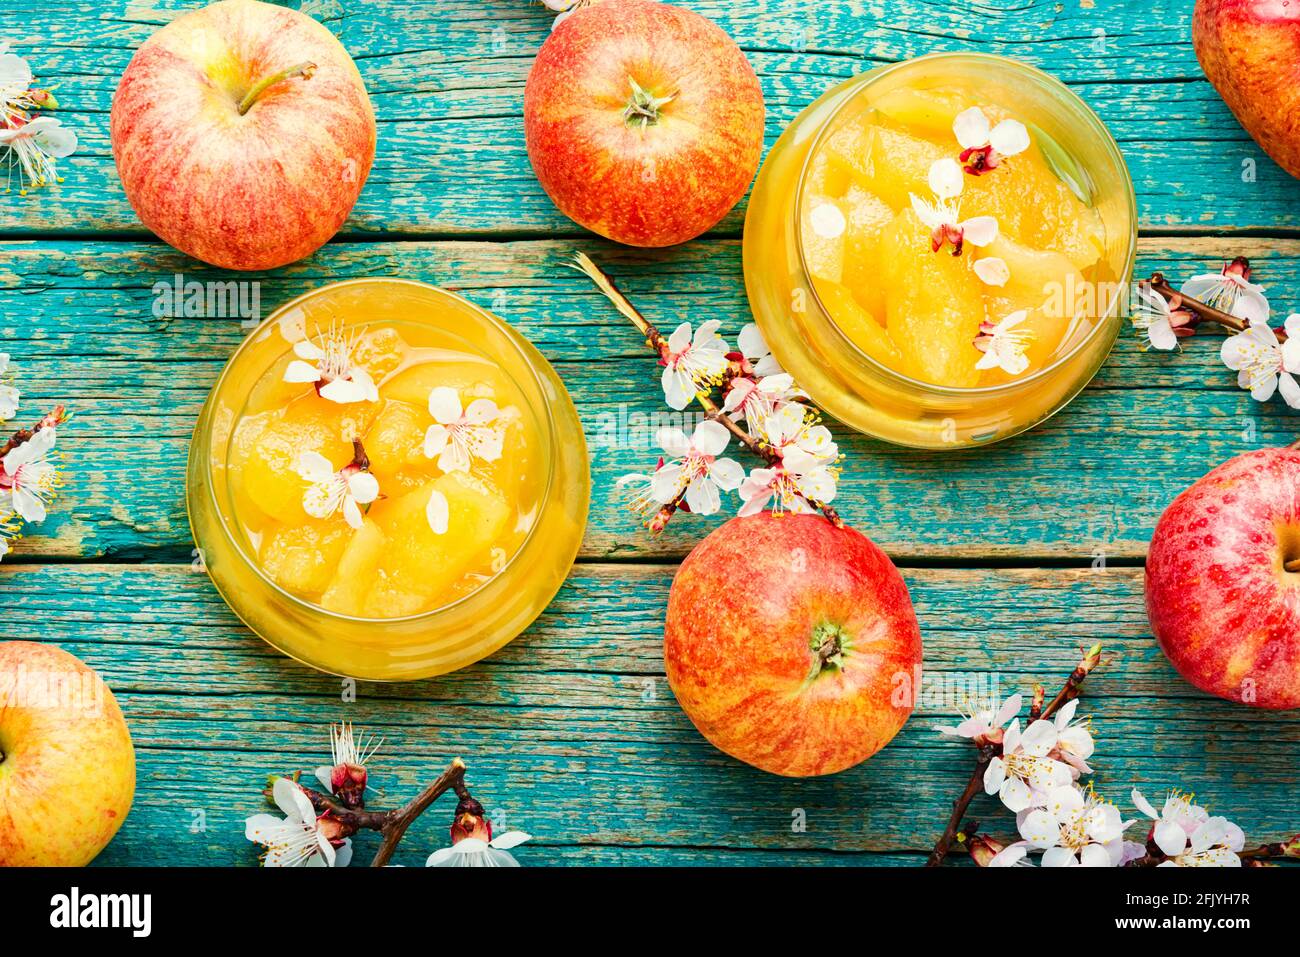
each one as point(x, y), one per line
point(78, 320)
point(447, 83)
point(571, 732)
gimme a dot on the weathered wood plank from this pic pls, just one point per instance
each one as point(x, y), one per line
point(447, 83)
point(77, 317)
point(556, 725)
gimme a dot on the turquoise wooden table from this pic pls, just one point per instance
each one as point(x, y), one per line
point(1016, 555)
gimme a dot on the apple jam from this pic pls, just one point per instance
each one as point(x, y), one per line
point(387, 481)
point(938, 250)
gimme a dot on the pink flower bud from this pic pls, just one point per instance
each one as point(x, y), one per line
point(348, 782)
point(470, 821)
point(983, 849)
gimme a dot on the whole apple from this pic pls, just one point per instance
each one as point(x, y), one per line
point(1250, 51)
point(67, 767)
point(243, 134)
point(1223, 580)
point(788, 641)
point(644, 121)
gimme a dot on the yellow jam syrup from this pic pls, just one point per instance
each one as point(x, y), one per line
point(937, 250)
point(383, 452)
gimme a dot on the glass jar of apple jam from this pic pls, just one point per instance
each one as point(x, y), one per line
point(938, 290)
point(387, 482)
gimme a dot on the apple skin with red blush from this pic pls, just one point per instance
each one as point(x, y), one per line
point(1249, 50)
point(792, 644)
point(1223, 604)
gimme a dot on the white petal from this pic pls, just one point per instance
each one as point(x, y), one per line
point(702, 496)
point(754, 346)
point(992, 270)
point(1170, 838)
point(1202, 286)
point(1015, 794)
point(437, 512)
point(980, 230)
point(343, 855)
point(481, 411)
point(1067, 713)
point(707, 334)
point(946, 178)
point(58, 141)
point(290, 799)
point(679, 390)
point(1010, 708)
point(1040, 738)
point(1251, 305)
point(435, 440)
point(299, 371)
point(345, 391)
point(1290, 389)
point(1142, 804)
point(1010, 856)
point(364, 487)
point(1009, 138)
point(1040, 829)
point(444, 405)
point(441, 858)
point(306, 349)
point(674, 441)
point(314, 467)
point(828, 221)
point(1161, 335)
point(994, 775)
point(509, 839)
point(971, 128)
point(28, 505)
point(1059, 857)
point(680, 339)
point(727, 474)
point(259, 826)
point(351, 513)
point(927, 213)
point(710, 438)
point(666, 483)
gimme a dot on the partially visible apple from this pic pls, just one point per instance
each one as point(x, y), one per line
point(67, 767)
point(1250, 51)
point(644, 121)
point(243, 134)
point(788, 641)
point(1223, 580)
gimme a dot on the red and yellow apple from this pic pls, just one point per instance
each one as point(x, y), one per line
point(67, 767)
point(1223, 580)
point(1250, 51)
point(243, 134)
point(787, 641)
point(644, 121)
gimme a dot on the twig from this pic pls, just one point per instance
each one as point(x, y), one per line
point(402, 818)
point(959, 807)
point(56, 417)
point(1204, 312)
point(987, 752)
point(659, 345)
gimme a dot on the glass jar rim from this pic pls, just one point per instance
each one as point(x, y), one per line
point(1033, 73)
point(546, 420)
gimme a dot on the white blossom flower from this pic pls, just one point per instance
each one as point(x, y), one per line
point(755, 399)
point(1024, 773)
point(985, 722)
point(942, 213)
point(804, 473)
point(459, 436)
point(983, 149)
point(298, 840)
point(1074, 743)
point(9, 396)
point(758, 357)
point(31, 147)
point(1004, 345)
point(15, 79)
point(330, 366)
point(475, 852)
point(693, 362)
point(28, 478)
point(328, 490)
point(1188, 836)
point(1262, 364)
point(1230, 291)
point(1161, 321)
point(1074, 829)
point(695, 469)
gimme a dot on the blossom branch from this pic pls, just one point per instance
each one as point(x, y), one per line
point(57, 416)
point(658, 344)
point(989, 750)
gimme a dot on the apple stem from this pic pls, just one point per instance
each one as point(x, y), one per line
point(643, 108)
point(659, 345)
point(305, 70)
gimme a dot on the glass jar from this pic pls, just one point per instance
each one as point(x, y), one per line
point(853, 386)
point(460, 632)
